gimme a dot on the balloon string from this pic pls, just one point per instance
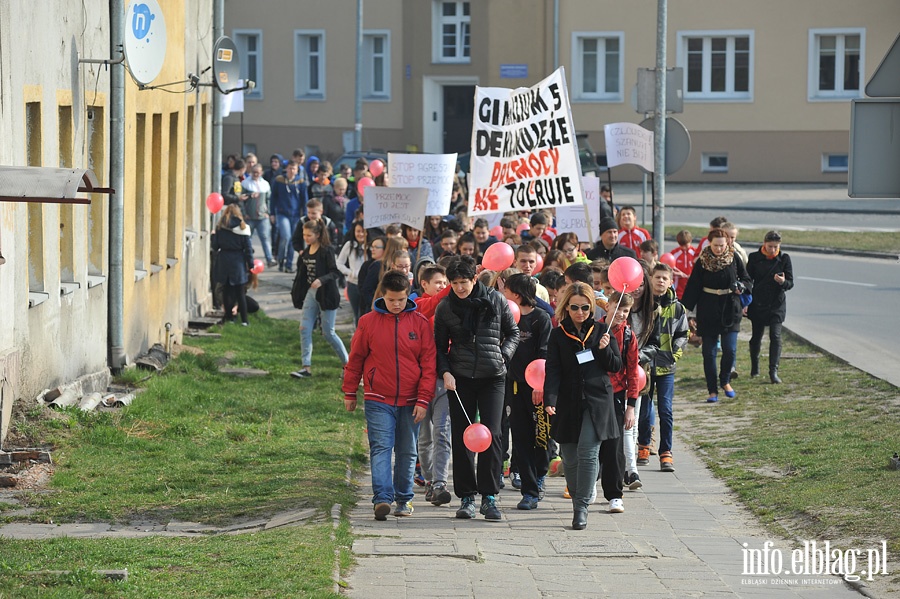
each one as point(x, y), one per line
point(462, 406)
point(613, 317)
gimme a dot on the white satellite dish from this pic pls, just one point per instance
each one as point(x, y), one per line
point(145, 39)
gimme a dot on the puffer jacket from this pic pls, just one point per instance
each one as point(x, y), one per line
point(671, 328)
point(394, 355)
point(487, 353)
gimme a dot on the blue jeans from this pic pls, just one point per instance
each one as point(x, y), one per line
point(286, 226)
point(391, 430)
point(665, 391)
point(434, 438)
point(311, 311)
point(263, 229)
point(729, 353)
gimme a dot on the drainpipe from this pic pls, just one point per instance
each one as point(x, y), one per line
point(116, 291)
point(556, 35)
point(358, 105)
point(216, 174)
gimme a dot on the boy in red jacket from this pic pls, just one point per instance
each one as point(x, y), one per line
point(393, 351)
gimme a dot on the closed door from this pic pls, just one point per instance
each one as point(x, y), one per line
point(459, 105)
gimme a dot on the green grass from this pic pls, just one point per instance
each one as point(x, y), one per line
point(808, 457)
point(201, 446)
point(750, 239)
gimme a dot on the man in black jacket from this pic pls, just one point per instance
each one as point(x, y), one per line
point(609, 248)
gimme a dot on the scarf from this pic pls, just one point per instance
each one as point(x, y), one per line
point(712, 263)
point(762, 250)
point(474, 308)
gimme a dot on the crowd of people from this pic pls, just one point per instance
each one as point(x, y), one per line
point(442, 342)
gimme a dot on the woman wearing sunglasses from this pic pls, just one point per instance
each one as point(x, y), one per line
point(580, 354)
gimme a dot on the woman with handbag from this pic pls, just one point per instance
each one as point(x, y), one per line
point(316, 292)
point(772, 275)
point(713, 292)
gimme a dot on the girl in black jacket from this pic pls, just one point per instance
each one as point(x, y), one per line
point(234, 259)
point(772, 275)
point(315, 291)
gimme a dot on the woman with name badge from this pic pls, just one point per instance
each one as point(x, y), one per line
point(580, 354)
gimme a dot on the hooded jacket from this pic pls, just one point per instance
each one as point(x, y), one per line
point(671, 328)
point(395, 356)
point(289, 197)
point(234, 253)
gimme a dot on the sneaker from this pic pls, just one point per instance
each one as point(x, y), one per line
point(301, 374)
point(541, 481)
point(593, 496)
point(466, 509)
point(502, 481)
point(643, 457)
point(382, 510)
point(440, 495)
point(556, 467)
point(489, 508)
point(418, 478)
point(429, 491)
point(633, 481)
point(404, 508)
point(566, 494)
point(271, 263)
point(529, 502)
point(666, 464)
point(516, 480)
point(616, 506)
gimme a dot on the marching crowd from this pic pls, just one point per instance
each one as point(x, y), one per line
point(523, 328)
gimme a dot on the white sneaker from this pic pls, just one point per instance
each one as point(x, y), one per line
point(593, 496)
point(616, 506)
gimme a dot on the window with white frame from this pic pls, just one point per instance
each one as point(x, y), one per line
point(450, 31)
point(836, 63)
point(718, 65)
point(835, 163)
point(249, 45)
point(309, 64)
point(714, 162)
point(377, 74)
point(597, 66)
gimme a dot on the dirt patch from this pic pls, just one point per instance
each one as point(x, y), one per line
point(34, 477)
point(186, 349)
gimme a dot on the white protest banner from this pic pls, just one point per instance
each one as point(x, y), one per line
point(389, 205)
point(627, 143)
point(524, 153)
point(582, 220)
point(431, 171)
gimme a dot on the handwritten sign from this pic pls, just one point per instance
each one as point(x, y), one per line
point(582, 220)
point(627, 143)
point(524, 153)
point(431, 171)
point(389, 205)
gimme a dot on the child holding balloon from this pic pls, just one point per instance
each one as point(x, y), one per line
point(234, 260)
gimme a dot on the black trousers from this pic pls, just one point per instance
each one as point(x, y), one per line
point(759, 329)
point(619, 398)
point(532, 461)
point(235, 294)
point(484, 396)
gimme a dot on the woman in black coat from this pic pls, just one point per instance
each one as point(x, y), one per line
point(772, 275)
point(234, 259)
point(580, 354)
point(476, 337)
point(713, 292)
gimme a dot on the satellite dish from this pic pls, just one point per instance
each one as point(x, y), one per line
point(226, 66)
point(145, 40)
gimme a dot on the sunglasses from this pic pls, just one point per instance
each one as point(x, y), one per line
point(584, 308)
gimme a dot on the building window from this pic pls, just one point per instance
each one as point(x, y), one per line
point(714, 162)
point(34, 151)
point(173, 177)
point(66, 141)
point(835, 163)
point(249, 44)
point(140, 188)
point(718, 65)
point(96, 143)
point(836, 63)
point(377, 52)
point(309, 59)
point(598, 65)
point(451, 34)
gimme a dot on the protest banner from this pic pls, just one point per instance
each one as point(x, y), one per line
point(524, 152)
point(431, 171)
point(582, 220)
point(627, 143)
point(388, 205)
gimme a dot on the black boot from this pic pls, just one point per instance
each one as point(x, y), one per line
point(579, 520)
point(754, 361)
point(773, 376)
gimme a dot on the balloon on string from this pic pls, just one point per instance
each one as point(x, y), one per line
point(514, 308)
point(477, 437)
point(641, 378)
point(497, 232)
point(376, 167)
point(625, 274)
point(214, 202)
point(363, 183)
point(258, 266)
point(498, 256)
point(538, 264)
point(534, 374)
point(668, 258)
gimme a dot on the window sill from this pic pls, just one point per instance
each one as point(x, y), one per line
point(835, 98)
point(156, 268)
point(95, 280)
point(139, 274)
point(377, 99)
point(171, 262)
point(310, 98)
point(36, 298)
point(716, 99)
point(68, 287)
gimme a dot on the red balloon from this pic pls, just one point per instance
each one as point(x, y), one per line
point(477, 437)
point(258, 266)
point(497, 232)
point(534, 374)
point(625, 274)
point(498, 256)
point(376, 167)
point(522, 228)
point(514, 308)
point(668, 258)
point(538, 264)
point(214, 202)
point(363, 183)
point(642, 378)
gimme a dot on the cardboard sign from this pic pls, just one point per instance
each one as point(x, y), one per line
point(524, 152)
point(582, 220)
point(434, 172)
point(389, 205)
point(627, 143)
